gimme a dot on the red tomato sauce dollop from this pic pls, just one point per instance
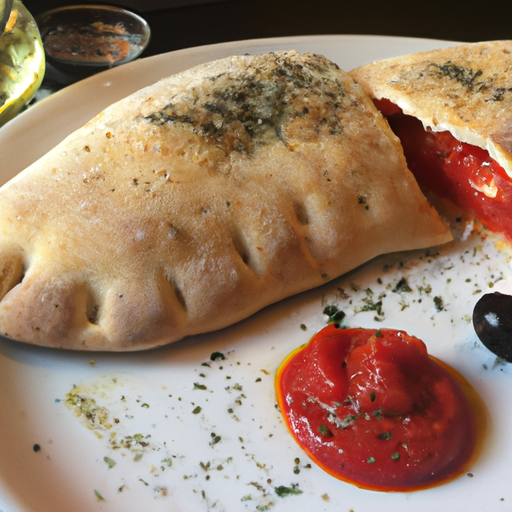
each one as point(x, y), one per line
point(461, 172)
point(373, 409)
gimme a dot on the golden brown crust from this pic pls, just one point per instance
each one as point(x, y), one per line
point(201, 199)
point(465, 89)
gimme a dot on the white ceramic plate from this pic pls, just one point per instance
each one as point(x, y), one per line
point(173, 430)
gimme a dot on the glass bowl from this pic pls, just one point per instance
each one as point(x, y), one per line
point(81, 40)
point(22, 63)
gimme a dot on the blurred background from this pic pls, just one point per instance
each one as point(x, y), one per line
point(177, 24)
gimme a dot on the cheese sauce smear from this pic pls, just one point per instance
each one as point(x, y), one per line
point(372, 408)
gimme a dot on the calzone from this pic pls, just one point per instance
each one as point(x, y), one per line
point(201, 199)
point(452, 109)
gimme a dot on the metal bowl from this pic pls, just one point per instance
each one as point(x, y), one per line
point(81, 40)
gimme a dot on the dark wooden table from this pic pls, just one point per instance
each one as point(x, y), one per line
point(180, 24)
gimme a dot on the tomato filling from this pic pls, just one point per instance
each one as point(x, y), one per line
point(461, 172)
point(373, 409)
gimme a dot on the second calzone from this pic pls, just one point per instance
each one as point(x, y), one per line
point(452, 110)
point(199, 200)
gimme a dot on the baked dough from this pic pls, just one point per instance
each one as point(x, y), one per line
point(199, 200)
point(465, 89)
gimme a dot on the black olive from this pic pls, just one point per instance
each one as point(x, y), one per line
point(492, 320)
